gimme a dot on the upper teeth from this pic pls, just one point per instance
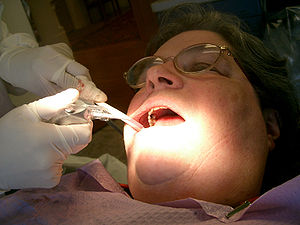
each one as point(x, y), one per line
point(152, 117)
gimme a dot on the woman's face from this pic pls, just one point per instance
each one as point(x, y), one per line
point(209, 140)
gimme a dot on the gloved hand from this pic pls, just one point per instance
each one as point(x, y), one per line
point(48, 70)
point(32, 151)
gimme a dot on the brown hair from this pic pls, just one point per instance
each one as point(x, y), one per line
point(265, 70)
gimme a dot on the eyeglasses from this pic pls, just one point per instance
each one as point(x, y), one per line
point(191, 61)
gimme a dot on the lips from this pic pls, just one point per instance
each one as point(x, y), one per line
point(160, 116)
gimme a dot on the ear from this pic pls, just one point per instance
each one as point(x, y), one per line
point(271, 117)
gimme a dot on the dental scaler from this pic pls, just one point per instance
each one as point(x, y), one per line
point(101, 111)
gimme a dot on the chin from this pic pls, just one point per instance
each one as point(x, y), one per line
point(157, 193)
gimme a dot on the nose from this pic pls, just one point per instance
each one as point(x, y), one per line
point(163, 76)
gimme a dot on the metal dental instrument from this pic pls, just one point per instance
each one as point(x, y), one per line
point(102, 111)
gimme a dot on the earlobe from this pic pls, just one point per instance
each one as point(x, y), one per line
point(273, 126)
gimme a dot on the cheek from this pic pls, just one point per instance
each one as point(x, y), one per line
point(226, 102)
point(230, 116)
point(136, 101)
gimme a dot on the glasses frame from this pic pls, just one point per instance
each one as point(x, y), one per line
point(160, 61)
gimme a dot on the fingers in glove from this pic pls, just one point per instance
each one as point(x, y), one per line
point(90, 92)
point(76, 69)
point(73, 138)
point(63, 49)
point(67, 80)
point(47, 107)
point(47, 88)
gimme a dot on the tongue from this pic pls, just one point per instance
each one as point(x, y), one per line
point(169, 121)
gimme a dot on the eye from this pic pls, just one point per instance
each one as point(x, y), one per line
point(219, 71)
point(197, 67)
point(202, 66)
point(216, 70)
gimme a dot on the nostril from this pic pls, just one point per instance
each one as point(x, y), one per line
point(165, 80)
point(151, 84)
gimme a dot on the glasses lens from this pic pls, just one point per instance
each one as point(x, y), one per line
point(197, 58)
point(138, 72)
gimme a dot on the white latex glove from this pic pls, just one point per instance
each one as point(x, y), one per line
point(33, 151)
point(48, 70)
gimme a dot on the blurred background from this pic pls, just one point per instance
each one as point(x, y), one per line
point(107, 36)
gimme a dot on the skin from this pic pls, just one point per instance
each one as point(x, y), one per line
point(218, 152)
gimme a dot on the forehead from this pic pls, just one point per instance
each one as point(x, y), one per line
point(188, 38)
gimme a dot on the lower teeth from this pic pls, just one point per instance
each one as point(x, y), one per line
point(151, 120)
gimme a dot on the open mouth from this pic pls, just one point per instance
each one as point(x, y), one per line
point(160, 116)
